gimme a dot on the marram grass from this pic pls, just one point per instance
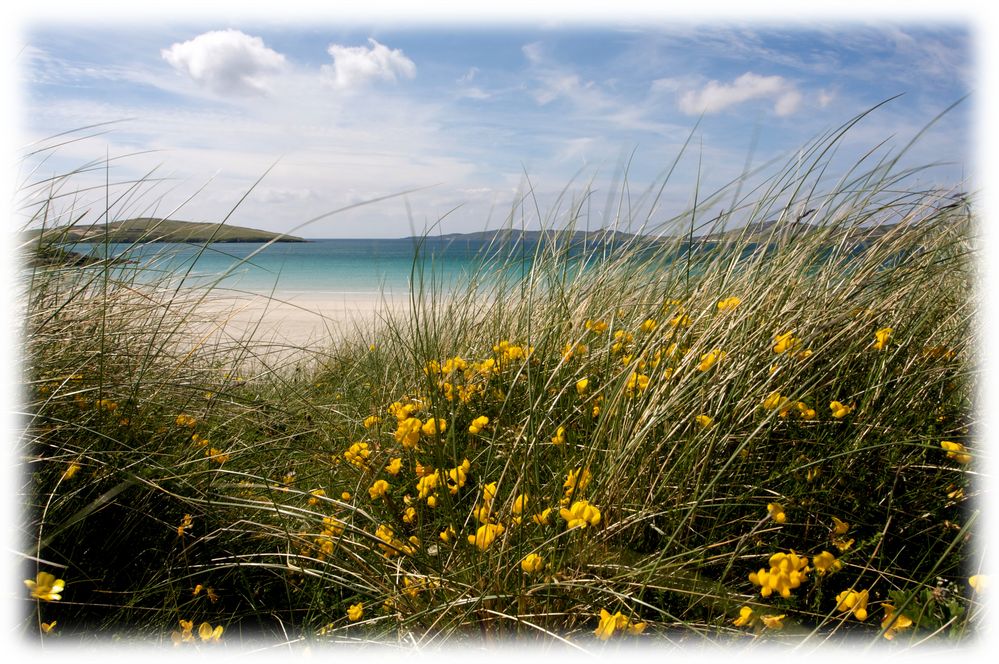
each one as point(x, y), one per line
point(766, 439)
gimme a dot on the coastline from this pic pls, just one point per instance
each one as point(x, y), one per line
point(285, 323)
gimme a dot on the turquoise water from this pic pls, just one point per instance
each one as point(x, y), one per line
point(318, 266)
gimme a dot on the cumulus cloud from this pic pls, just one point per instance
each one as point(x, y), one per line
point(354, 66)
point(226, 62)
point(715, 97)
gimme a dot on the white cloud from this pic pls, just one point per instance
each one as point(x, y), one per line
point(226, 62)
point(715, 97)
point(825, 97)
point(354, 66)
point(473, 93)
point(787, 103)
point(468, 75)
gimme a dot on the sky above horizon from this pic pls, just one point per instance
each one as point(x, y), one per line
point(469, 119)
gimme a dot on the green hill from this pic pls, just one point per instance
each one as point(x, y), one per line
point(147, 229)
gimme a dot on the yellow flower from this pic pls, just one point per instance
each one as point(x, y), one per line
point(407, 432)
point(371, 421)
point(48, 627)
point(956, 451)
point(45, 587)
point(357, 455)
point(345, 495)
point(708, 359)
point(616, 623)
point(745, 617)
point(532, 563)
point(355, 612)
point(394, 466)
point(580, 515)
point(648, 326)
point(704, 420)
point(680, 320)
point(636, 628)
point(485, 535)
point(218, 456)
point(787, 572)
point(185, 524)
point(839, 410)
point(432, 426)
point(804, 412)
point(559, 437)
point(488, 493)
point(478, 424)
point(785, 342)
point(457, 476)
point(776, 511)
point(892, 623)
point(728, 303)
point(72, 470)
point(979, 582)
point(597, 327)
point(840, 527)
point(881, 338)
point(607, 626)
point(184, 420)
point(610, 624)
point(206, 632)
point(448, 534)
point(185, 635)
point(637, 381)
point(826, 563)
point(855, 601)
point(772, 621)
point(581, 385)
point(543, 518)
point(315, 495)
point(773, 400)
point(378, 489)
point(576, 480)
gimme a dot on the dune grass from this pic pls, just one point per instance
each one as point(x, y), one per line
point(740, 442)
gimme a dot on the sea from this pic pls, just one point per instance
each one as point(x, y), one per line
point(318, 266)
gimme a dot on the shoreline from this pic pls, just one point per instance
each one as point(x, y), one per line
point(285, 323)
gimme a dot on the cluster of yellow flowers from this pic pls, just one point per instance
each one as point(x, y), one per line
point(571, 350)
point(185, 524)
point(506, 353)
point(881, 338)
point(617, 622)
point(357, 455)
point(749, 617)
point(728, 303)
point(598, 327)
point(391, 545)
point(580, 515)
point(709, 359)
point(785, 342)
point(185, 420)
point(787, 572)
point(853, 601)
point(216, 455)
point(206, 633)
point(956, 451)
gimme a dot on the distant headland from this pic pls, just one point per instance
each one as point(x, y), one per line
point(149, 229)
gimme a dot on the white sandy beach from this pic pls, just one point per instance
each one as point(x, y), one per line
point(285, 321)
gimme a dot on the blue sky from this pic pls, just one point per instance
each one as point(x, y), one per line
point(348, 111)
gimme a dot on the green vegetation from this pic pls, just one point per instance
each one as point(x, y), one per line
point(749, 444)
point(148, 229)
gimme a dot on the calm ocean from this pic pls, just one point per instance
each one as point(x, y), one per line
point(316, 266)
